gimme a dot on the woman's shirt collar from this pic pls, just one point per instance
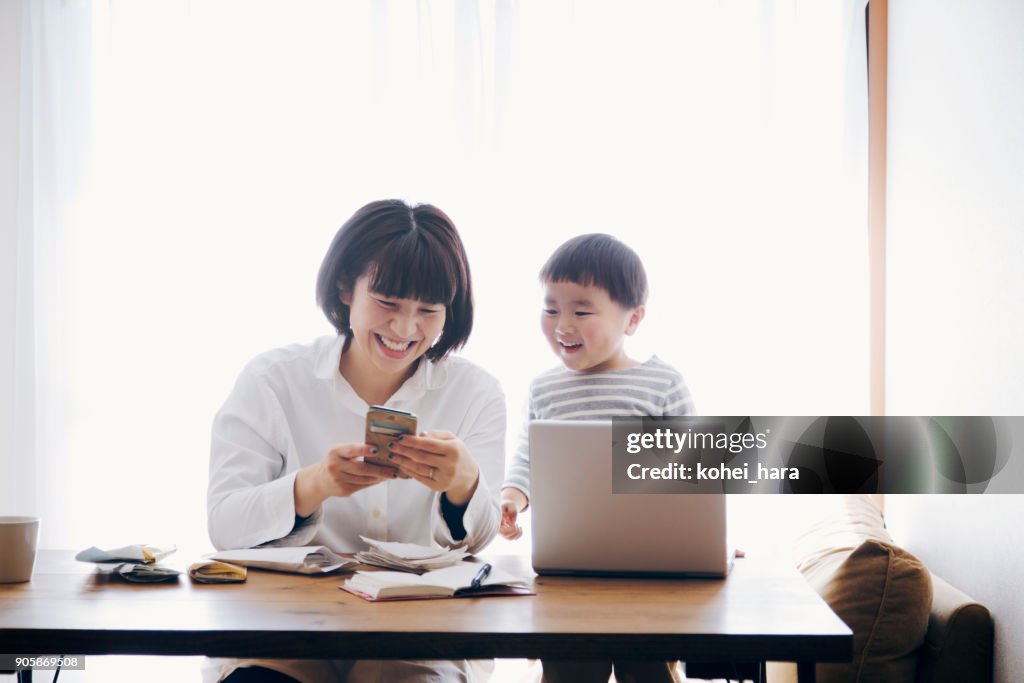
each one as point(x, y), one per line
point(428, 376)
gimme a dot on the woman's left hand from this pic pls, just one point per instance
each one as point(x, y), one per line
point(440, 461)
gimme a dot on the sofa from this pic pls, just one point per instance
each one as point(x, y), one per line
point(909, 625)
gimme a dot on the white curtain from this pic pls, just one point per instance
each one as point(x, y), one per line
point(182, 167)
point(44, 81)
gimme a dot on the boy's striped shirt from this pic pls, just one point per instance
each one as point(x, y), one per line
point(652, 388)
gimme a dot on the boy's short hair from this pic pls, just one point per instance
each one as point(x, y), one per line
point(601, 260)
point(408, 252)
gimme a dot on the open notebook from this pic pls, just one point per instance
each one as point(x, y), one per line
point(451, 582)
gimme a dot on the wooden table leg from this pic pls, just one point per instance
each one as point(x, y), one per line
point(805, 672)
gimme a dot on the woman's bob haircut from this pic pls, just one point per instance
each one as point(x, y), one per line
point(408, 252)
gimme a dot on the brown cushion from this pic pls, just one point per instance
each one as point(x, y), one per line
point(880, 590)
point(883, 593)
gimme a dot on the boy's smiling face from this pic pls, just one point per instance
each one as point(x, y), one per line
point(585, 328)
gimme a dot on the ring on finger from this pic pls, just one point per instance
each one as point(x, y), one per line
point(433, 471)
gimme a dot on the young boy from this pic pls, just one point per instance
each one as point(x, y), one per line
point(595, 288)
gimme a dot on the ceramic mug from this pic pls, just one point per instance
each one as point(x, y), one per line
point(18, 536)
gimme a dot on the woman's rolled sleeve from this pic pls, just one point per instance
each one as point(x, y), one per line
point(485, 441)
point(250, 499)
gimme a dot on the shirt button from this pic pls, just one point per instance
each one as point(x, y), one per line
point(376, 513)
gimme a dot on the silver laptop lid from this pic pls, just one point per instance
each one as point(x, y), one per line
point(580, 526)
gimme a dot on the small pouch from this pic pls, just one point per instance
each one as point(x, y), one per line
point(217, 572)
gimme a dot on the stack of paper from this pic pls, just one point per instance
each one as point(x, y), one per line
point(409, 557)
point(131, 553)
point(137, 572)
point(310, 559)
point(136, 563)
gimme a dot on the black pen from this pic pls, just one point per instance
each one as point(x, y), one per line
point(481, 575)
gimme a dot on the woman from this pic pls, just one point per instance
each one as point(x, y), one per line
point(286, 463)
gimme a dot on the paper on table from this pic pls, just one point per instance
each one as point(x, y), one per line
point(310, 559)
point(131, 553)
point(409, 556)
point(408, 551)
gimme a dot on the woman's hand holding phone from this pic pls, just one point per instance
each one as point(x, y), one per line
point(440, 461)
point(341, 473)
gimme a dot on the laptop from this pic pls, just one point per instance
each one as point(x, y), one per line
point(581, 527)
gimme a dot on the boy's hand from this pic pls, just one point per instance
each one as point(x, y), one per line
point(509, 529)
point(512, 501)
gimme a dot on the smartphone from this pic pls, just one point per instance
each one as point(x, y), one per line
point(384, 426)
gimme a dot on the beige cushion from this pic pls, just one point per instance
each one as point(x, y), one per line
point(881, 591)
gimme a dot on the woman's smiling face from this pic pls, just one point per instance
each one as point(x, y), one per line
point(388, 332)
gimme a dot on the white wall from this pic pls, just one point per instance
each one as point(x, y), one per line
point(956, 286)
point(975, 543)
point(956, 207)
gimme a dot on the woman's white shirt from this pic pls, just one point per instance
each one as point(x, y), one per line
point(291, 405)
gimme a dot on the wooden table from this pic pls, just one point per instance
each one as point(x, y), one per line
point(751, 616)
